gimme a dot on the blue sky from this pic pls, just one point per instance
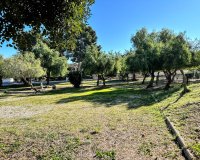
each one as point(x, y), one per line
point(115, 21)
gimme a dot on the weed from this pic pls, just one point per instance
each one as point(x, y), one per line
point(105, 155)
point(196, 149)
point(145, 148)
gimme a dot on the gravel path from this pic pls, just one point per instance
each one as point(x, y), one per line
point(22, 111)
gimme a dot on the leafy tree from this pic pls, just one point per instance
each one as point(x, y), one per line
point(195, 53)
point(117, 60)
point(123, 68)
point(86, 38)
point(23, 66)
point(26, 40)
point(147, 52)
point(132, 63)
point(167, 38)
point(175, 55)
point(1, 70)
point(98, 62)
point(50, 60)
point(58, 19)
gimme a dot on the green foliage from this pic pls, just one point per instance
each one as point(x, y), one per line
point(26, 40)
point(147, 53)
point(57, 19)
point(175, 52)
point(107, 155)
point(146, 58)
point(132, 62)
point(117, 61)
point(23, 66)
point(1, 65)
point(51, 60)
point(97, 62)
point(145, 148)
point(59, 68)
point(196, 148)
point(123, 65)
point(86, 38)
point(75, 78)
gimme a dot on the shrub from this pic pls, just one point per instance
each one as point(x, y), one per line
point(75, 78)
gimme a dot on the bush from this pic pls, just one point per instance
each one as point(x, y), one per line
point(75, 78)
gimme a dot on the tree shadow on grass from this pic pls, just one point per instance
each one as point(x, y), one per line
point(80, 90)
point(131, 95)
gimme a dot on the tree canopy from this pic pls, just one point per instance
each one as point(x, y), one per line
point(147, 51)
point(58, 19)
point(98, 62)
point(86, 38)
point(50, 60)
point(22, 66)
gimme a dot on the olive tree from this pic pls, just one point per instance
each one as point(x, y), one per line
point(175, 55)
point(23, 66)
point(147, 50)
point(51, 61)
point(98, 62)
point(132, 63)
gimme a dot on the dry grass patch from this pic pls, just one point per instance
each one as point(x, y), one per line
point(88, 123)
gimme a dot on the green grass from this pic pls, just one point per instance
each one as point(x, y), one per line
point(196, 149)
point(108, 155)
point(115, 122)
point(185, 114)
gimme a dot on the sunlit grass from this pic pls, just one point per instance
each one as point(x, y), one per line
point(77, 123)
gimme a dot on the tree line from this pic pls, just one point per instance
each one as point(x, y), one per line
point(48, 33)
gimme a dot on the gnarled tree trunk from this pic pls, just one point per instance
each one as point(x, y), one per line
point(25, 81)
point(152, 80)
point(103, 79)
point(144, 78)
point(170, 78)
point(29, 83)
point(134, 77)
point(98, 77)
point(157, 78)
point(185, 89)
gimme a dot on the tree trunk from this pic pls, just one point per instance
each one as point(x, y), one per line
point(170, 78)
point(1, 81)
point(127, 77)
point(104, 81)
point(174, 75)
point(185, 89)
point(48, 77)
point(169, 81)
point(27, 82)
point(98, 80)
point(151, 81)
point(187, 80)
point(144, 78)
point(24, 80)
point(134, 77)
point(157, 78)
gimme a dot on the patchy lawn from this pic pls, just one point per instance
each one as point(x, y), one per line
point(185, 113)
point(118, 122)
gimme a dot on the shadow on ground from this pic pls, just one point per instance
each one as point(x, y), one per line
point(131, 95)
